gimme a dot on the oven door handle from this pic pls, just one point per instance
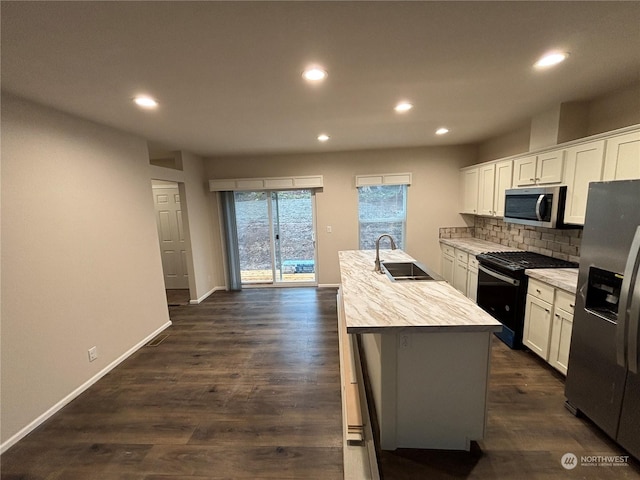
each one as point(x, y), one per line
point(500, 276)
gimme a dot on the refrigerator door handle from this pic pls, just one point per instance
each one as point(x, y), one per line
point(626, 303)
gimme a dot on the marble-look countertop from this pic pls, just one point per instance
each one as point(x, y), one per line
point(375, 304)
point(563, 278)
point(474, 246)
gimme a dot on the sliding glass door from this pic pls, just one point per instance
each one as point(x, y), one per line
point(276, 236)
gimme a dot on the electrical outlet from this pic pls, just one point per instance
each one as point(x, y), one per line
point(405, 341)
point(93, 353)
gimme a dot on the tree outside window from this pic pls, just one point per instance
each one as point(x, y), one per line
point(382, 209)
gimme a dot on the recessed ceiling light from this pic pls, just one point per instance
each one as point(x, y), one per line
point(323, 137)
point(145, 101)
point(403, 107)
point(442, 131)
point(314, 74)
point(550, 59)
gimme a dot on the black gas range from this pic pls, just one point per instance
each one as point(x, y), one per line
point(502, 288)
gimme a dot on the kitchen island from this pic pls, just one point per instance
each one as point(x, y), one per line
point(426, 352)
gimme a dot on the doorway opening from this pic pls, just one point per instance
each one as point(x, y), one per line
point(276, 237)
point(169, 210)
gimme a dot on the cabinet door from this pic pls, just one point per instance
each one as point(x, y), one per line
point(472, 284)
point(550, 167)
point(524, 171)
point(622, 160)
point(486, 184)
point(470, 190)
point(537, 326)
point(460, 277)
point(504, 178)
point(583, 165)
point(447, 268)
point(560, 340)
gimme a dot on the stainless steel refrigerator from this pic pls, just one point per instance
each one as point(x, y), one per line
point(603, 380)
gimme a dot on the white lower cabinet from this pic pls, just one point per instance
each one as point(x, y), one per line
point(472, 279)
point(448, 261)
point(460, 269)
point(548, 322)
point(561, 330)
point(537, 326)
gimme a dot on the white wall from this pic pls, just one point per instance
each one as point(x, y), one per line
point(433, 197)
point(80, 258)
point(617, 109)
point(614, 110)
point(206, 250)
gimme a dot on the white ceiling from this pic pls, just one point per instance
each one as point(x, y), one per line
point(227, 74)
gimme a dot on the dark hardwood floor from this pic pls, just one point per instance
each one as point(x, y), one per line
point(177, 297)
point(246, 385)
point(528, 431)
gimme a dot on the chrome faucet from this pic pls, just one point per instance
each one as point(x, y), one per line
point(393, 247)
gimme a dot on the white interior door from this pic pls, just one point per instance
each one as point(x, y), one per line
point(166, 198)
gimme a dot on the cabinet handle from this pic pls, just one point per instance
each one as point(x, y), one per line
point(557, 315)
point(538, 290)
point(572, 305)
point(547, 310)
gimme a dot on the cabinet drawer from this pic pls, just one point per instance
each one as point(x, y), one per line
point(447, 250)
point(462, 257)
point(473, 263)
point(565, 301)
point(540, 290)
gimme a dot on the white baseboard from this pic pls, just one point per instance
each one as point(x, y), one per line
point(328, 285)
point(58, 406)
point(203, 297)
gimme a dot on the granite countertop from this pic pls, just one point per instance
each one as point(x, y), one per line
point(474, 246)
point(563, 278)
point(375, 304)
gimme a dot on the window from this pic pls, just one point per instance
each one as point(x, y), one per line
point(382, 209)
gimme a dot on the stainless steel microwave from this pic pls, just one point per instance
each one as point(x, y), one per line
point(537, 206)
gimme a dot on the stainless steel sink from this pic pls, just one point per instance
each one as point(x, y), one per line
point(398, 271)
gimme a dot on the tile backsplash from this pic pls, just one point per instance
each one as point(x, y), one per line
point(456, 232)
point(557, 243)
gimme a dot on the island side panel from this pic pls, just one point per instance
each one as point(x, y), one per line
point(442, 389)
point(381, 363)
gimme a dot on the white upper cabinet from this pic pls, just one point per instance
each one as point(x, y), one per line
point(584, 164)
point(605, 157)
point(622, 158)
point(549, 167)
point(524, 171)
point(542, 169)
point(493, 180)
point(470, 190)
point(504, 178)
point(486, 183)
